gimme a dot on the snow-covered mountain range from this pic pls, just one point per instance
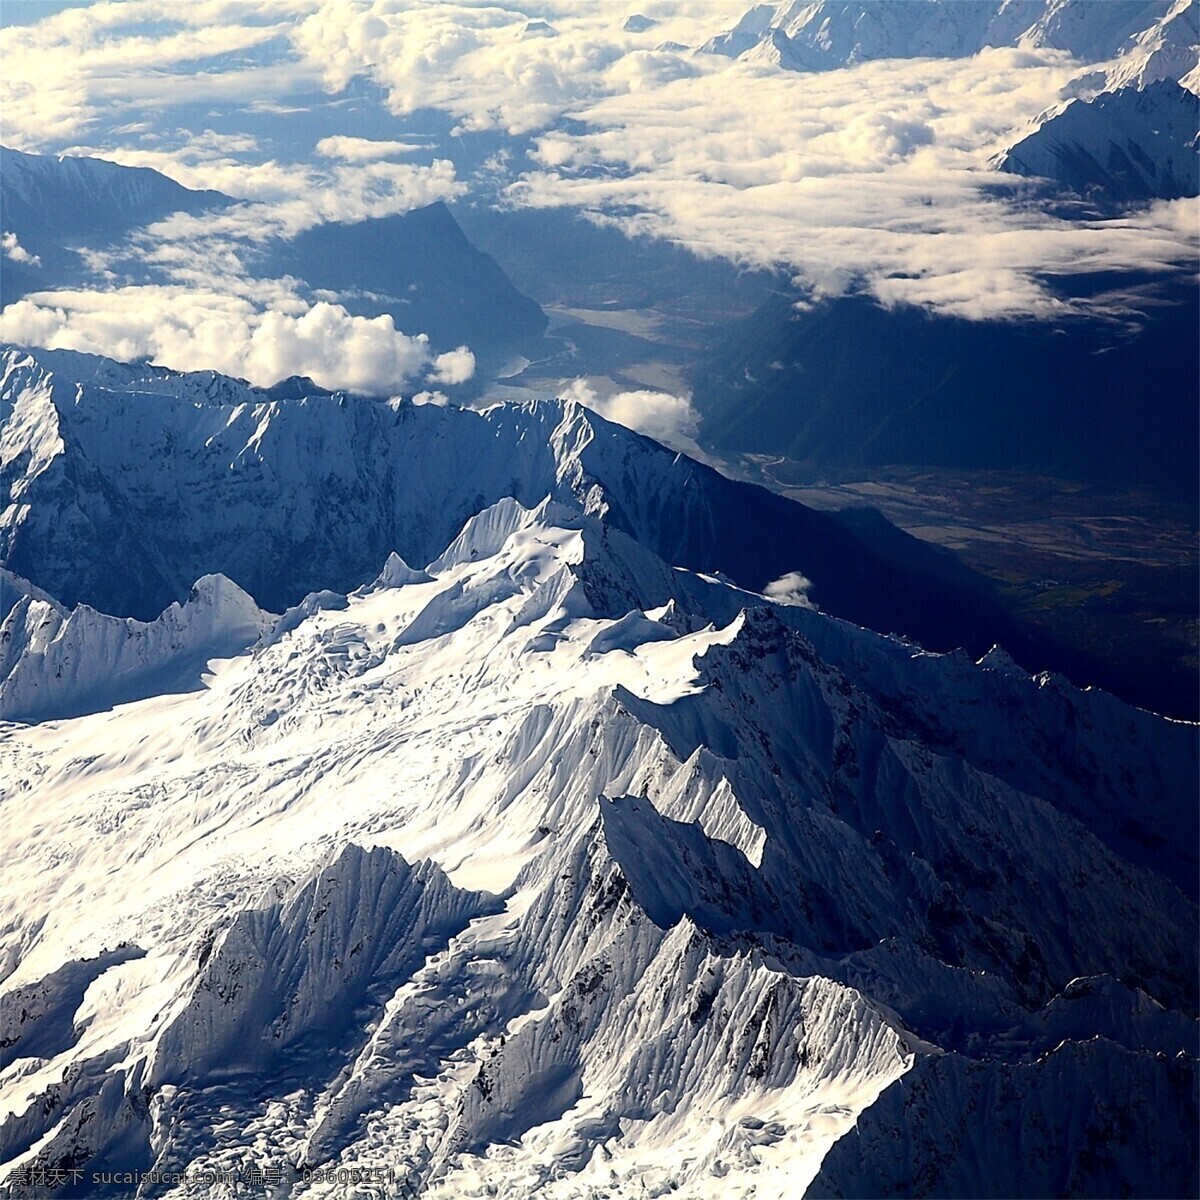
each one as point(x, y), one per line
point(1152, 37)
point(123, 484)
point(543, 866)
point(1130, 144)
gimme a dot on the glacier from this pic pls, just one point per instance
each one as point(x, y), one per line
point(527, 859)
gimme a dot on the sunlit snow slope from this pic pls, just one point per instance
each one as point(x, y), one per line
point(547, 868)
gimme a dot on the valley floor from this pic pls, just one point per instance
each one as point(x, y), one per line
point(1110, 573)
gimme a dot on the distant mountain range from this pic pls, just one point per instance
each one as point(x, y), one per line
point(848, 384)
point(50, 202)
point(418, 266)
point(57, 206)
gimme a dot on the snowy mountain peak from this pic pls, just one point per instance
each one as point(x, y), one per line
point(1168, 49)
point(998, 659)
point(56, 663)
point(560, 866)
point(1133, 144)
point(396, 573)
point(1151, 39)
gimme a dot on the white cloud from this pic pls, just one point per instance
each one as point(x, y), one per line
point(357, 149)
point(668, 419)
point(437, 399)
point(288, 197)
point(455, 366)
point(477, 62)
point(192, 330)
point(792, 588)
point(12, 249)
point(213, 250)
point(59, 72)
point(876, 175)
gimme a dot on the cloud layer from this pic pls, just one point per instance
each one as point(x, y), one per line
point(289, 197)
point(194, 330)
point(876, 176)
point(792, 588)
point(12, 249)
point(357, 149)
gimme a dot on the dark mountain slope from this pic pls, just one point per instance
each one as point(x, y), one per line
point(420, 267)
point(851, 385)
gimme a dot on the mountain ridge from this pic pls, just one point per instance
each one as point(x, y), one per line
point(1134, 144)
point(319, 489)
point(590, 850)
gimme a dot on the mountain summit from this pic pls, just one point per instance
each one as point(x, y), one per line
point(1131, 145)
point(535, 863)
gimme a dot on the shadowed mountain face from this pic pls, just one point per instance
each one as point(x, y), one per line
point(49, 201)
point(420, 267)
point(151, 479)
point(417, 266)
point(57, 205)
point(850, 385)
